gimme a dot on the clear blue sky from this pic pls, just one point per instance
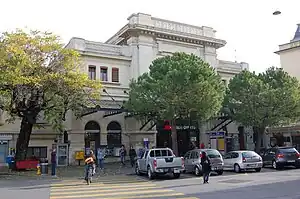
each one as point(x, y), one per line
point(248, 26)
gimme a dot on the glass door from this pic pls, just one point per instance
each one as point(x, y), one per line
point(62, 154)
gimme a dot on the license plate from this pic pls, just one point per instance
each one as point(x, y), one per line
point(291, 161)
point(176, 171)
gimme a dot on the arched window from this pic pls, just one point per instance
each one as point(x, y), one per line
point(114, 137)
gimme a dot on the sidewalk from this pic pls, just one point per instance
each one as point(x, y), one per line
point(110, 169)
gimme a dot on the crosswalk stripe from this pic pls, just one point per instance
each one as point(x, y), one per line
point(100, 186)
point(141, 197)
point(112, 194)
point(63, 192)
point(75, 185)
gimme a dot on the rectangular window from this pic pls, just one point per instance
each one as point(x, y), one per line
point(37, 152)
point(92, 72)
point(103, 74)
point(115, 75)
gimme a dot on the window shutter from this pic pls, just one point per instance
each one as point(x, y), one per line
point(115, 75)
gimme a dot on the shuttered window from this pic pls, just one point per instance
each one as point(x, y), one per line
point(115, 75)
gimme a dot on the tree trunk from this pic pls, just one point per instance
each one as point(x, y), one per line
point(23, 139)
point(174, 137)
point(259, 135)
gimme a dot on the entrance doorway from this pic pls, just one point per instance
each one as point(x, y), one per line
point(92, 136)
point(3, 151)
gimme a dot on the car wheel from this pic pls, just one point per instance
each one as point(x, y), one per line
point(237, 168)
point(197, 171)
point(220, 172)
point(297, 166)
point(137, 170)
point(176, 175)
point(275, 165)
point(150, 174)
point(258, 169)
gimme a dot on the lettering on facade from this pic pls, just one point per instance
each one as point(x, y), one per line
point(178, 27)
point(185, 127)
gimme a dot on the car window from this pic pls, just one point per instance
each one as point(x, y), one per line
point(146, 153)
point(227, 156)
point(234, 155)
point(187, 155)
point(249, 154)
point(196, 155)
point(288, 150)
point(213, 154)
point(157, 153)
point(193, 155)
point(152, 154)
point(166, 153)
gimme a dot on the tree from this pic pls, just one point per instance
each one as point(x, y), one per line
point(176, 86)
point(263, 100)
point(37, 74)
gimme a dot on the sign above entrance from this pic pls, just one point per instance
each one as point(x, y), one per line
point(185, 127)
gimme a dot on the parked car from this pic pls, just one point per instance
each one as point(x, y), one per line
point(192, 160)
point(159, 161)
point(279, 157)
point(242, 160)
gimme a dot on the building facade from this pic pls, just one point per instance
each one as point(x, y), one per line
point(289, 58)
point(125, 56)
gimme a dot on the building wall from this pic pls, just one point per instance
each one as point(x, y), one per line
point(290, 60)
point(131, 50)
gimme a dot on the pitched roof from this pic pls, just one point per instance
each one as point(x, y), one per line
point(297, 34)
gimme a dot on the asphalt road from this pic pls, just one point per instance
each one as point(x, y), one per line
point(264, 185)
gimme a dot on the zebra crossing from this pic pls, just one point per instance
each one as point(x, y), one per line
point(120, 188)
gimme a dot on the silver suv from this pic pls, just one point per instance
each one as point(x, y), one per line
point(192, 160)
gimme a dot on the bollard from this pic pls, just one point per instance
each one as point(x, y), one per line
point(38, 172)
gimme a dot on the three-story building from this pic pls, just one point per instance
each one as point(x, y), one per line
point(125, 56)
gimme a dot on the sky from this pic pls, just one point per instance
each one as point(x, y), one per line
point(251, 31)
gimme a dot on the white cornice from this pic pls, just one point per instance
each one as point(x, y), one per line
point(93, 54)
point(187, 38)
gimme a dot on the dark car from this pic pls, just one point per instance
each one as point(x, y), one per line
point(279, 157)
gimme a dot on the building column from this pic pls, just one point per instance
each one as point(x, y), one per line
point(77, 144)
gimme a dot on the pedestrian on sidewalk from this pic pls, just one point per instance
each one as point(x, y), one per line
point(53, 162)
point(132, 155)
point(122, 154)
point(206, 167)
point(100, 156)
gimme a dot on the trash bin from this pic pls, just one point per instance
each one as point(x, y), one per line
point(44, 166)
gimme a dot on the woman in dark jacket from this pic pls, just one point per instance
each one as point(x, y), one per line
point(206, 167)
point(132, 155)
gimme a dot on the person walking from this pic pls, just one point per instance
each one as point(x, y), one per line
point(206, 167)
point(132, 155)
point(53, 162)
point(100, 156)
point(92, 155)
point(122, 154)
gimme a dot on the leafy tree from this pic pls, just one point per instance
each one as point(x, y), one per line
point(176, 86)
point(263, 100)
point(37, 74)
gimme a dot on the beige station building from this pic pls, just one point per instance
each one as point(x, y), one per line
point(126, 55)
point(289, 59)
